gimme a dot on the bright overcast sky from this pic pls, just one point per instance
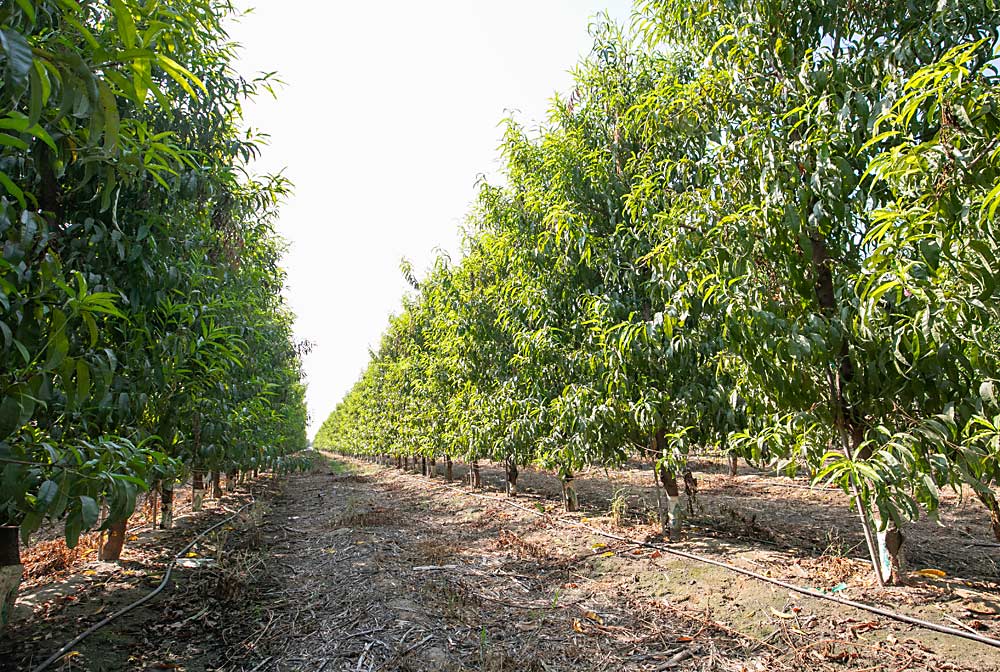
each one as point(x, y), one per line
point(389, 113)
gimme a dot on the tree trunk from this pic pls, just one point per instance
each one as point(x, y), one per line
point(111, 551)
point(448, 473)
point(11, 572)
point(432, 468)
point(511, 478)
point(231, 477)
point(406, 463)
point(892, 559)
point(690, 490)
point(989, 500)
point(166, 505)
point(152, 502)
point(733, 464)
point(570, 502)
point(197, 490)
point(475, 478)
point(848, 420)
point(399, 462)
point(255, 473)
point(423, 465)
point(216, 485)
point(670, 509)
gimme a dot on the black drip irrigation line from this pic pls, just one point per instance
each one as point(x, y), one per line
point(809, 592)
point(142, 600)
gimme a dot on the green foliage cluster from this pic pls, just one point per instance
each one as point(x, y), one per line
point(142, 329)
point(764, 225)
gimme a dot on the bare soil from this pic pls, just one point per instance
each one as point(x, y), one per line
point(355, 566)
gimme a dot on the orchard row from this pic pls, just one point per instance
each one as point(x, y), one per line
point(143, 336)
point(767, 228)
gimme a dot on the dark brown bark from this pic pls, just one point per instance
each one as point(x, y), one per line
point(570, 502)
point(111, 551)
point(399, 462)
point(432, 468)
point(10, 547)
point(475, 477)
point(216, 485)
point(11, 572)
point(690, 490)
point(166, 505)
point(511, 478)
point(423, 465)
point(231, 477)
point(448, 472)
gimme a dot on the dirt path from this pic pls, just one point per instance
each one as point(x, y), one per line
point(359, 567)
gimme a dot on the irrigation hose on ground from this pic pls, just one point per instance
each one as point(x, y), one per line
point(809, 592)
point(142, 600)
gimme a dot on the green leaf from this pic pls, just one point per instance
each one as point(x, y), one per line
point(11, 141)
point(27, 8)
point(82, 381)
point(180, 74)
point(12, 189)
point(46, 495)
point(19, 55)
point(987, 393)
point(126, 24)
point(37, 95)
point(89, 511)
point(109, 106)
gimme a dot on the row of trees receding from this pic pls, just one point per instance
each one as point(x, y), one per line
point(763, 226)
point(143, 336)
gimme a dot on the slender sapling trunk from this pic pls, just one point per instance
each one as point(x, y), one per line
point(511, 478)
point(197, 490)
point(475, 477)
point(669, 501)
point(111, 550)
point(989, 500)
point(166, 505)
point(570, 502)
point(448, 473)
point(216, 485)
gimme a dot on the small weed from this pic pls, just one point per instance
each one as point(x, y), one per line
point(619, 506)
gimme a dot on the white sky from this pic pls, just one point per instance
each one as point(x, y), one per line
point(390, 113)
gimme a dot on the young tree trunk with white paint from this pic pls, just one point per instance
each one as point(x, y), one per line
point(166, 505)
point(670, 509)
point(512, 478)
point(197, 490)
